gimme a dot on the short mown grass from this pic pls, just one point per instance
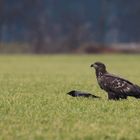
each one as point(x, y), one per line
point(34, 104)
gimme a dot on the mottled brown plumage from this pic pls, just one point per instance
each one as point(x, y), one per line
point(116, 87)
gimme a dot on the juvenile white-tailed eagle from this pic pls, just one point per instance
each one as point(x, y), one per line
point(116, 87)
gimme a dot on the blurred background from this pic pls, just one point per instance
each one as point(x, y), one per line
point(69, 26)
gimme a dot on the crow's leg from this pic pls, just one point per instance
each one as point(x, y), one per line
point(112, 96)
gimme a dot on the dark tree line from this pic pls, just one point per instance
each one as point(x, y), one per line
point(60, 25)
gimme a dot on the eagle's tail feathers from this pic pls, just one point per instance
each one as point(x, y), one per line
point(136, 92)
point(137, 88)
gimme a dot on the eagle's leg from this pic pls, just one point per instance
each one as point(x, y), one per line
point(137, 96)
point(123, 96)
point(112, 96)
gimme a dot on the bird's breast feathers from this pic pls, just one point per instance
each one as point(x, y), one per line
point(101, 82)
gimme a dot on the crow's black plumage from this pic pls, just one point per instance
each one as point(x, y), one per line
point(75, 93)
point(116, 87)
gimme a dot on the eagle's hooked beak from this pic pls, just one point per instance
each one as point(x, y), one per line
point(93, 65)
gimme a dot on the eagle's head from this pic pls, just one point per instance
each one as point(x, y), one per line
point(99, 67)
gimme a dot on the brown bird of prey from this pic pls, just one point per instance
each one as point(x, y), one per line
point(116, 87)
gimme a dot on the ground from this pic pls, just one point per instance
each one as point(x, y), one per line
point(34, 104)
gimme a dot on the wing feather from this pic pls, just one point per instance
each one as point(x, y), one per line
point(116, 84)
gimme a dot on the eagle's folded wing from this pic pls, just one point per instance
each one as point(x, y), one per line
point(118, 85)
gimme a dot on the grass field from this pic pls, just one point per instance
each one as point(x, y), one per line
point(34, 104)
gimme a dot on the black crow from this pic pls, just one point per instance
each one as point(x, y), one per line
point(75, 93)
point(116, 87)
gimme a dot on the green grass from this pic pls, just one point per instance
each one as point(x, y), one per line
point(34, 104)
